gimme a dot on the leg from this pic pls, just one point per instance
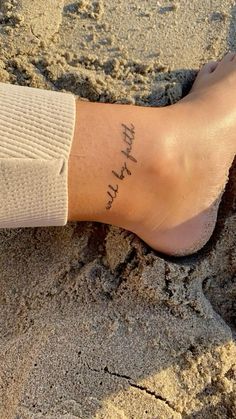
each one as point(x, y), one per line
point(158, 172)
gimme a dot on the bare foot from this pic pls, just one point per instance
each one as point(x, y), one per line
point(204, 132)
point(158, 172)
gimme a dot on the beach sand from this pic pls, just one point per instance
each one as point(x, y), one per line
point(94, 323)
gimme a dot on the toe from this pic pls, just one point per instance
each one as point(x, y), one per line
point(228, 57)
point(209, 67)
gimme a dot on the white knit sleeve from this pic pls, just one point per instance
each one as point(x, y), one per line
point(36, 133)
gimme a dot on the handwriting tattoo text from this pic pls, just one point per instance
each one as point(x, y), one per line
point(128, 134)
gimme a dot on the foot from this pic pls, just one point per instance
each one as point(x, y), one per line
point(158, 172)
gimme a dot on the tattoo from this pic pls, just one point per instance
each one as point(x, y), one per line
point(129, 134)
point(128, 138)
point(112, 196)
point(123, 169)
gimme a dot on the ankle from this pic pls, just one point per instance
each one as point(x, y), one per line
point(118, 152)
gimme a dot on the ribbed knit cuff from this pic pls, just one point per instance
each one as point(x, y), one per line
point(36, 133)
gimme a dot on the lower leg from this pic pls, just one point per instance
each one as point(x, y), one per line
point(116, 145)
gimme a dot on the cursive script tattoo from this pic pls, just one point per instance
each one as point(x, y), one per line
point(129, 134)
point(112, 195)
point(124, 170)
point(128, 137)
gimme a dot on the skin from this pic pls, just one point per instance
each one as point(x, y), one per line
point(167, 167)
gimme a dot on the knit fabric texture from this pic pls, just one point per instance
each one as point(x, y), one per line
point(36, 133)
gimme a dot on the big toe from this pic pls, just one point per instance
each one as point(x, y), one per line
point(208, 68)
point(228, 57)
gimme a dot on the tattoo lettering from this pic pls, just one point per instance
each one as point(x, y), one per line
point(123, 170)
point(112, 196)
point(129, 134)
point(128, 138)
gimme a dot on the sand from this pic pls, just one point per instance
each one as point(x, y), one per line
point(94, 323)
